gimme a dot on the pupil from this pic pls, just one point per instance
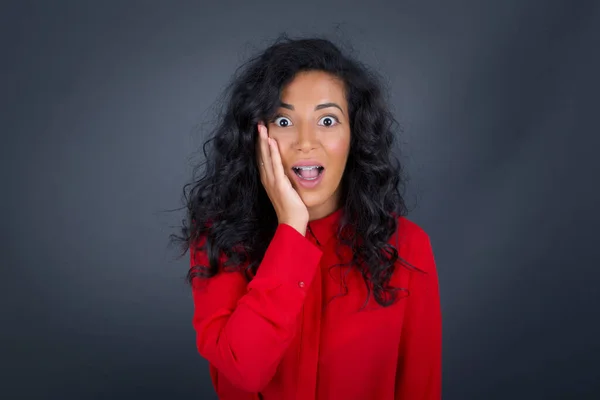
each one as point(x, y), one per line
point(283, 122)
point(327, 121)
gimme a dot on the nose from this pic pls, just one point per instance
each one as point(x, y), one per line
point(307, 139)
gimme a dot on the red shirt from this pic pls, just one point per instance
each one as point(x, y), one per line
point(278, 336)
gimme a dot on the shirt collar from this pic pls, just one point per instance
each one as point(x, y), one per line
point(326, 227)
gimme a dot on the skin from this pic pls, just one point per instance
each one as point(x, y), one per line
point(313, 123)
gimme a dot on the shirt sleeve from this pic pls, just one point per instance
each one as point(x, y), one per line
point(419, 372)
point(243, 329)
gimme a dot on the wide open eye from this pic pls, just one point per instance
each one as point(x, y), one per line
point(329, 121)
point(282, 122)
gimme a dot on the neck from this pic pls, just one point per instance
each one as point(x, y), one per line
point(324, 209)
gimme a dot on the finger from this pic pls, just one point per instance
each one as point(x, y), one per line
point(278, 171)
point(258, 152)
point(265, 157)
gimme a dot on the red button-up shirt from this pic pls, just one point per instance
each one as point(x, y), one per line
point(282, 336)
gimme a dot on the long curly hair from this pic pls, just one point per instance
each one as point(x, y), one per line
point(228, 210)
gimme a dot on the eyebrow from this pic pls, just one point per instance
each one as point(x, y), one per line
point(318, 107)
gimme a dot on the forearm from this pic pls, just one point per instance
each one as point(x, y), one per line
point(246, 339)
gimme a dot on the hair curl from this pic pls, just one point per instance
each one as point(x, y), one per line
point(228, 206)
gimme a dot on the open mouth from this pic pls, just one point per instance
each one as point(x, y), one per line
point(309, 173)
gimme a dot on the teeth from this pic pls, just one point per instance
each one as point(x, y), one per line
point(308, 168)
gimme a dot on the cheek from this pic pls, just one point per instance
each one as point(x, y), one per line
point(338, 152)
point(287, 160)
point(284, 145)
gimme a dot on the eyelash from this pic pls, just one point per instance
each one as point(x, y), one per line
point(336, 119)
point(276, 117)
point(333, 117)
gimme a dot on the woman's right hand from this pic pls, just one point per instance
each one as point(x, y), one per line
point(288, 205)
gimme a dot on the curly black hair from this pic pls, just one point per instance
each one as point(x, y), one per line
point(227, 205)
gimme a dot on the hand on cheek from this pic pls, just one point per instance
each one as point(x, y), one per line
point(288, 205)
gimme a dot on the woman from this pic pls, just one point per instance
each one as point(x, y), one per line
point(308, 280)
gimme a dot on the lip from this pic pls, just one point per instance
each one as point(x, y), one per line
point(305, 163)
point(308, 184)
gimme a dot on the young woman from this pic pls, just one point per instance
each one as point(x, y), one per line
point(308, 280)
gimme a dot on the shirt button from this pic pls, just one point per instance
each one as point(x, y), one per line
point(301, 284)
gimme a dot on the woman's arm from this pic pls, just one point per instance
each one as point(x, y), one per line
point(244, 329)
point(419, 373)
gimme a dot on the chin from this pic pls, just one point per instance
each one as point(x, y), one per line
point(311, 200)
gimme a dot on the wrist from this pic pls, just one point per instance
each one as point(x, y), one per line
point(300, 226)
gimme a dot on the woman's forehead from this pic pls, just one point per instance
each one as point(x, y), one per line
point(310, 89)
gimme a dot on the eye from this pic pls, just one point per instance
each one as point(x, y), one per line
point(328, 121)
point(282, 122)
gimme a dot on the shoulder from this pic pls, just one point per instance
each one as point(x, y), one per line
point(413, 244)
point(409, 233)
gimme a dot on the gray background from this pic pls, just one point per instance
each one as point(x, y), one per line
point(499, 102)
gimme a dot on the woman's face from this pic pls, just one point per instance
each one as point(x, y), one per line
point(312, 128)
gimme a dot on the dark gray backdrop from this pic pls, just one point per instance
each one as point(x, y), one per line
point(499, 100)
